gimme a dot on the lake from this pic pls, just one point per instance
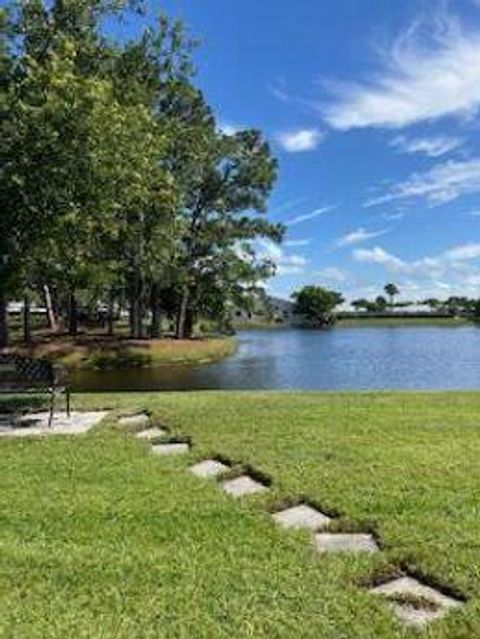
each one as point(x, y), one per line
point(421, 358)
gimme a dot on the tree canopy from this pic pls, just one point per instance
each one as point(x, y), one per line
point(316, 304)
point(117, 185)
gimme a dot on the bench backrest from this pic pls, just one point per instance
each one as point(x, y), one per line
point(16, 370)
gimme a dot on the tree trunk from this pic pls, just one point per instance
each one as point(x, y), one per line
point(182, 314)
point(27, 334)
point(3, 320)
point(49, 306)
point(189, 321)
point(111, 311)
point(136, 307)
point(155, 311)
point(72, 314)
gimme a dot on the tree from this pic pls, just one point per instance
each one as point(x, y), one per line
point(317, 304)
point(116, 183)
point(433, 303)
point(456, 305)
point(380, 304)
point(82, 158)
point(476, 310)
point(392, 291)
point(230, 178)
point(361, 304)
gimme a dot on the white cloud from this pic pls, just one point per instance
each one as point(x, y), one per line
point(286, 264)
point(433, 146)
point(309, 216)
point(289, 204)
point(456, 270)
point(358, 236)
point(301, 242)
point(332, 274)
point(431, 70)
point(378, 255)
point(397, 215)
point(300, 140)
point(440, 184)
point(473, 213)
point(459, 259)
point(279, 90)
point(464, 252)
point(228, 128)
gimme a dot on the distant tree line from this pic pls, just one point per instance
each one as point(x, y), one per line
point(118, 190)
point(454, 305)
point(317, 305)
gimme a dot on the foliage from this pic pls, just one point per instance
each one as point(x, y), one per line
point(476, 310)
point(381, 303)
point(316, 304)
point(392, 291)
point(117, 185)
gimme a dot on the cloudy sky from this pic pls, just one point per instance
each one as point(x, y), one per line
point(373, 109)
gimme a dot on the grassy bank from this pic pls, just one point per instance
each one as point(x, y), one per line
point(402, 321)
point(103, 539)
point(91, 352)
point(367, 322)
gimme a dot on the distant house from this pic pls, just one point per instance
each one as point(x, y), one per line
point(282, 309)
point(398, 310)
point(15, 308)
point(411, 309)
point(266, 309)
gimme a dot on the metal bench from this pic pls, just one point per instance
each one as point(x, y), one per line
point(20, 374)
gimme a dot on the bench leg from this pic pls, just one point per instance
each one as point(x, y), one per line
point(68, 401)
point(52, 407)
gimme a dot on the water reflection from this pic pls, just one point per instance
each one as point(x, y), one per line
point(343, 358)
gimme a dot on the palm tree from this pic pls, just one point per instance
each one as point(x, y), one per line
point(391, 290)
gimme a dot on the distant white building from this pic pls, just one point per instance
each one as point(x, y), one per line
point(15, 308)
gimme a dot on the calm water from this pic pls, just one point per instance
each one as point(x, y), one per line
point(343, 358)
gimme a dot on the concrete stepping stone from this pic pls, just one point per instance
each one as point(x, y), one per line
point(134, 420)
point(171, 448)
point(345, 542)
point(243, 485)
point(208, 468)
point(302, 516)
point(62, 424)
point(415, 603)
point(151, 433)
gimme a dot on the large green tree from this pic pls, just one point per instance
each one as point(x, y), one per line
point(316, 304)
point(82, 160)
point(115, 179)
point(222, 208)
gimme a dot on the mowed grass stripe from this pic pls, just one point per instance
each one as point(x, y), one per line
point(98, 528)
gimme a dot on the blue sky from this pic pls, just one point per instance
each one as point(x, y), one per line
point(373, 110)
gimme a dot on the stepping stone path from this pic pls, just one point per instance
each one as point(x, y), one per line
point(171, 448)
point(208, 468)
point(243, 485)
point(139, 419)
point(151, 433)
point(302, 516)
point(415, 603)
point(345, 542)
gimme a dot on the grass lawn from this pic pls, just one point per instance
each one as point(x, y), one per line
point(89, 351)
point(403, 321)
point(102, 539)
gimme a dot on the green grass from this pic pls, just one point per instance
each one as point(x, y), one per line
point(89, 351)
point(102, 539)
point(402, 321)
